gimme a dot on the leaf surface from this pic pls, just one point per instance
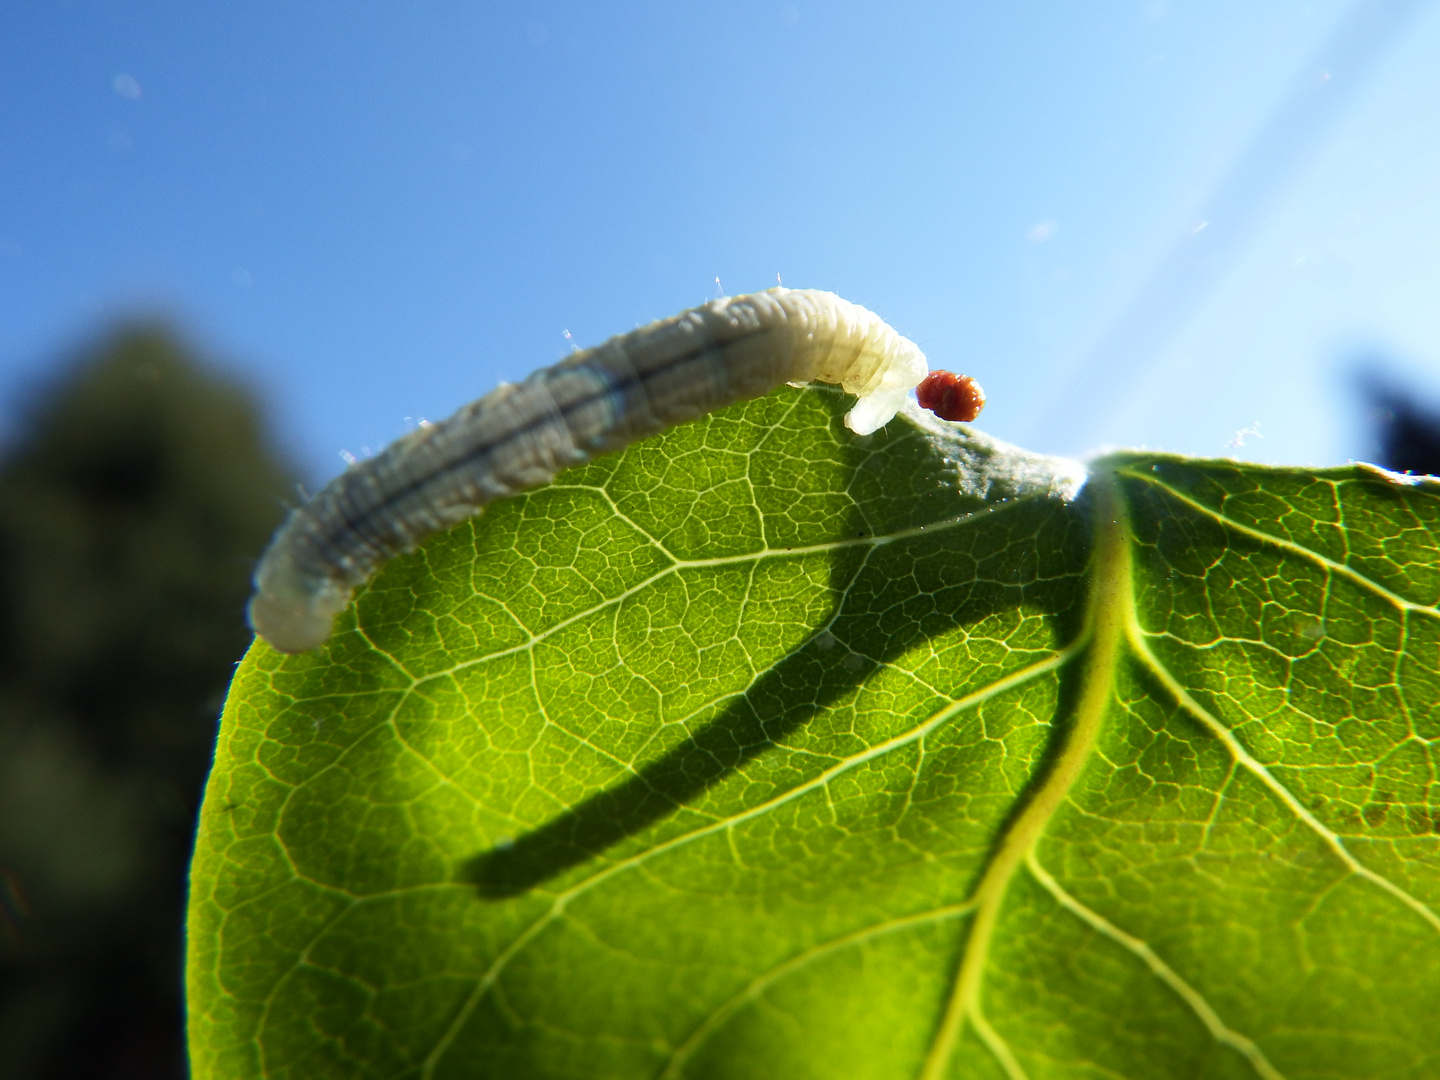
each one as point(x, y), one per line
point(762, 750)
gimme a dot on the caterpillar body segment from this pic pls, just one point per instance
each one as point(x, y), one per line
point(593, 402)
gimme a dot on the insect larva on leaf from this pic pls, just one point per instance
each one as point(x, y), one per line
point(950, 396)
point(593, 402)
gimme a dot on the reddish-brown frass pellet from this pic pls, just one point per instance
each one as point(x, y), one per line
point(950, 396)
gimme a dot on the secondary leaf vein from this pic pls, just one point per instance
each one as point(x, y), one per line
point(1219, 1030)
point(1241, 755)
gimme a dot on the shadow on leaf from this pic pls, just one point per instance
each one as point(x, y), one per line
point(988, 566)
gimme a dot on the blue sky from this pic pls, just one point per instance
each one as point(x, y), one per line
point(374, 212)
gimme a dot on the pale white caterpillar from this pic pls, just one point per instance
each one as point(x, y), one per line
point(593, 402)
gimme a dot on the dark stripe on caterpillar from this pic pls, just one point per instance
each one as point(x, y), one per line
point(593, 402)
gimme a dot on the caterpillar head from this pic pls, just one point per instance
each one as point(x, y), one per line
point(291, 609)
point(882, 389)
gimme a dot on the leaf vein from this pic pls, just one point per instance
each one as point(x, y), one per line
point(722, 560)
point(1339, 568)
point(757, 986)
point(1110, 604)
point(1267, 778)
point(557, 907)
point(1220, 1031)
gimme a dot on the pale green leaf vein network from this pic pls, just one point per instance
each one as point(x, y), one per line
point(677, 565)
point(1212, 723)
point(998, 1047)
point(869, 543)
point(762, 982)
point(1289, 545)
point(302, 960)
point(1138, 637)
point(1219, 1030)
point(626, 766)
point(527, 646)
point(561, 901)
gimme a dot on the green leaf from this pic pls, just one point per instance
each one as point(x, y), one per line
point(762, 750)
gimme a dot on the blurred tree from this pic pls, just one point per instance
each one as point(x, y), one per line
point(132, 509)
point(1408, 435)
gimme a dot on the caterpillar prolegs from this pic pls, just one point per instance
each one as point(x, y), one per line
point(593, 402)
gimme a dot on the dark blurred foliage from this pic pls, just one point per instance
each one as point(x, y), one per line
point(132, 508)
point(1407, 434)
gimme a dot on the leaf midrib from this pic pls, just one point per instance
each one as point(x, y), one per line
point(1107, 617)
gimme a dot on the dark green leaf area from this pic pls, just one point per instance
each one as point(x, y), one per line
point(565, 741)
point(763, 750)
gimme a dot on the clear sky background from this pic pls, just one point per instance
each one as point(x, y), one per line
point(375, 211)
